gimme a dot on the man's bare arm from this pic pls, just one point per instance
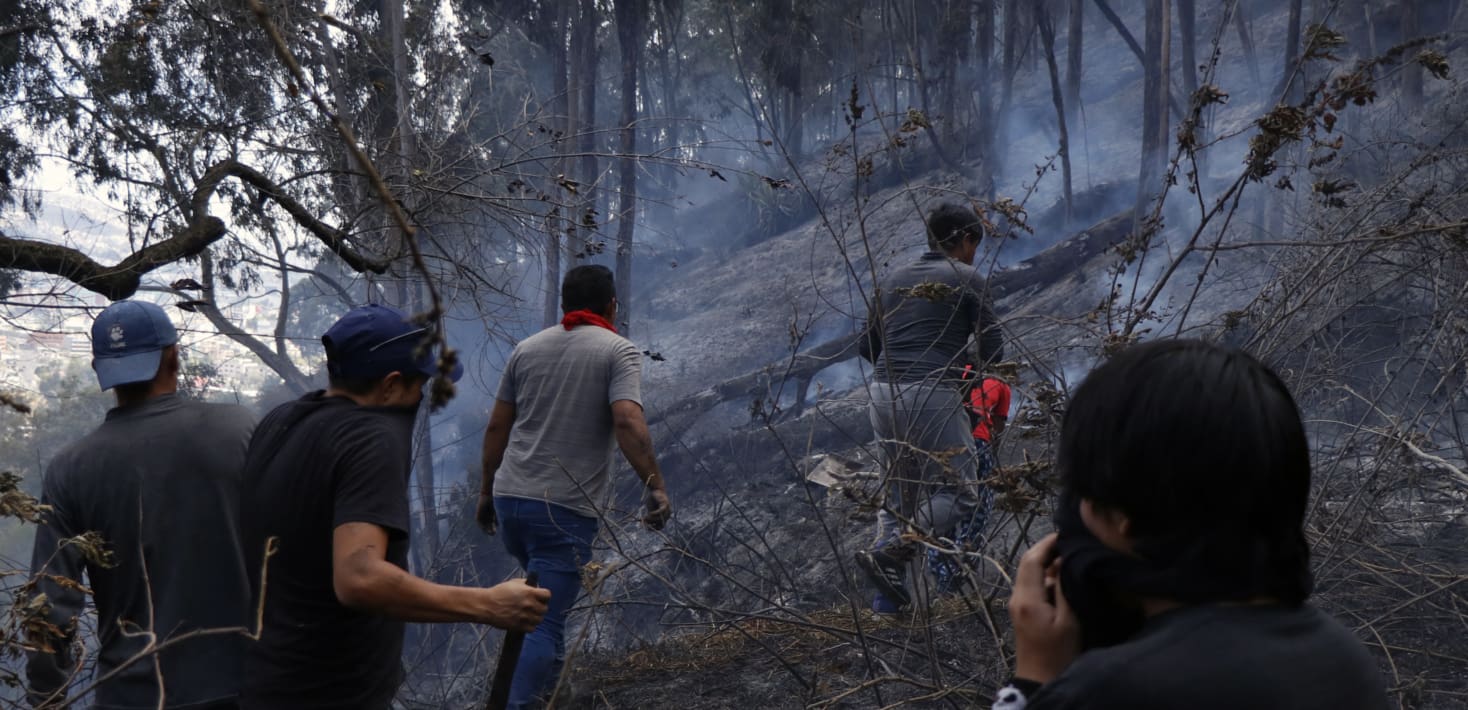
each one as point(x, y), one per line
point(630, 427)
point(364, 580)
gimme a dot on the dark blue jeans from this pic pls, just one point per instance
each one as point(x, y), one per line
point(553, 542)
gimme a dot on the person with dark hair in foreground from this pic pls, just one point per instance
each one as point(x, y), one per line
point(567, 395)
point(1179, 572)
point(159, 481)
point(326, 493)
point(917, 339)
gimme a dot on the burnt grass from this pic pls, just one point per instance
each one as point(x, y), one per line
point(838, 658)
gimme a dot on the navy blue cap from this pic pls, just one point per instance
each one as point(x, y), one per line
point(373, 340)
point(128, 340)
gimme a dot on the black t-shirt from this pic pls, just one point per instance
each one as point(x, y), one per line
point(314, 464)
point(1225, 657)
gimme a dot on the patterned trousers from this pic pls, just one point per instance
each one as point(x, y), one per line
point(949, 570)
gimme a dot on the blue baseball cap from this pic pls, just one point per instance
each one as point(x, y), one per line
point(128, 340)
point(373, 340)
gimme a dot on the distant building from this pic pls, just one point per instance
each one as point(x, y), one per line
point(54, 342)
point(79, 346)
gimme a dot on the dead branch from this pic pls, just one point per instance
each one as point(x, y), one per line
point(123, 279)
point(115, 282)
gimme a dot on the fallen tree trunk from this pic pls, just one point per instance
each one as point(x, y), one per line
point(766, 383)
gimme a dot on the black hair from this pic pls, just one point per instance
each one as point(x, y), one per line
point(1203, 449)
point(133, 390)
point(590, 288)
point(949, 223)
point(363, 385)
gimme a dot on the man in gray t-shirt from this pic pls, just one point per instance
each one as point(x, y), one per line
point(566, 396)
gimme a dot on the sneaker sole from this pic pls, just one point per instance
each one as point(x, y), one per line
point(875, 576)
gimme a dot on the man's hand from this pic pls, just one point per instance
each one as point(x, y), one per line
point(1047, 636)
point(513, 606)
point(658, 508)
point(485, 515)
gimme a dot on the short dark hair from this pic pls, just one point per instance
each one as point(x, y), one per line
point(949, 223)
point(133, 390)
point(589, 288)
point(1203, 449)
point(363, 385)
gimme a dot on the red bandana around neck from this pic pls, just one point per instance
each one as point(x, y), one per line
point(584, 317)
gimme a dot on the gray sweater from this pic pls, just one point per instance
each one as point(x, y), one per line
point(926, 312)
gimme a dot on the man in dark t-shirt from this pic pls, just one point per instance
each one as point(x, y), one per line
point(325, 513)
point(1180, 572)
point(159, 481)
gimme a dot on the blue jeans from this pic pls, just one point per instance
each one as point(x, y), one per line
point(553, 542)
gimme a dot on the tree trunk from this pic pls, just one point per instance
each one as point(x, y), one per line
point(295, 380)
point(1291, 87)
point(560, 91)
point(1075, 30)
point(1246, 39)
point(630, 15)
point(1131, 42)
point(1411, 71)
point(1154, 104)
point(1187, 30)
point(1361, 31)
point(669, 15)
point(1012, 38)
point(920, 79)
point(586, 145)
point(1047, 37)
point(984, 93)
point(423, 471)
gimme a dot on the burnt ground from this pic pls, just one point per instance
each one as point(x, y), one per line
point(837, 658)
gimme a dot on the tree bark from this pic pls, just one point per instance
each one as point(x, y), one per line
point(1131, 42)
point(1047, 37)
point(123, 279)
point(560, 91)
point(1013, 35)
point(590, 54)
point(1411, 71)
point(984, 93)
point(1154, 104)
point(630, 15)
point(1187, 31)
point(1290, 88)
point(295, 380)
point(1241, 24)
point(1075, 30)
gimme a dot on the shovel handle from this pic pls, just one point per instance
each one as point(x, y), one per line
point(504, 671)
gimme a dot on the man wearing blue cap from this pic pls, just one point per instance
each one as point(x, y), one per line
point(159, 481)
point(325, 511)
